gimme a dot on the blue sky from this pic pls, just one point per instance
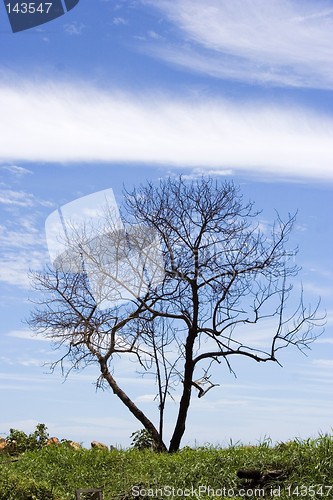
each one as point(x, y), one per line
point(114, 93)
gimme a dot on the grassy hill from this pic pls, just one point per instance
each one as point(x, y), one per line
point(56, 472)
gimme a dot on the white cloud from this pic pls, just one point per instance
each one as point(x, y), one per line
point(30, 362)
point(17, 198)
point(74, 124)
point(16, 170)
point(17, 239)
point(22, 246)
point(319, 290)
point(325, 340)
point(119, 21)
point(146, 398)
point(26, 335)
point(20, 199)
point(281, 42)
point(74, 28)
point(154, 35)
point(323, 363)
point(199, 172)
point(14, 267)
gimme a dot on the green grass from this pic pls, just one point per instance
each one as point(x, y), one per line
point(56, 472)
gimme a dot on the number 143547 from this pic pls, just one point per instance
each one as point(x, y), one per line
point(29, 8)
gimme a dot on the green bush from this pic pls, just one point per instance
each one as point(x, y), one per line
point(142, 440)
point(19, 442)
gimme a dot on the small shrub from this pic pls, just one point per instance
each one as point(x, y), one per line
point(142, 440)
point(18, 441)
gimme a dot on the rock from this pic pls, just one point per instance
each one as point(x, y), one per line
point(273, 474)
point(52, 440)
point(99, 446)
point(249, 474)
point(3, 445)
point(73, 444)
point(256, 478)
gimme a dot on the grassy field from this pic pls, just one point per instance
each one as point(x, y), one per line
point(56, 472)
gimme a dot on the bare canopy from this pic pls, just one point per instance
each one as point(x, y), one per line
point(200, 271)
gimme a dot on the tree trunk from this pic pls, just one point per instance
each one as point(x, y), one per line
point(132, 407)
point(186, 396)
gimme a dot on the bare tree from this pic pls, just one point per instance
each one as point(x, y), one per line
point(221, 274)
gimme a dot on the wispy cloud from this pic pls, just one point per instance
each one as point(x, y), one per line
point(74, 28)
point(19, 234)
point(154, 35)
point(325, 340)
point(323, 363)
point(119, 21)
point(16, 170)
point(146, 398)
point(280, 42)
point(25, 382)
point(26, 335)
point(75, 124)
point(22, 246)
point(199, 172)
point(317, 375)
point(20, 199)
point(14, 268)
point(318, 289)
